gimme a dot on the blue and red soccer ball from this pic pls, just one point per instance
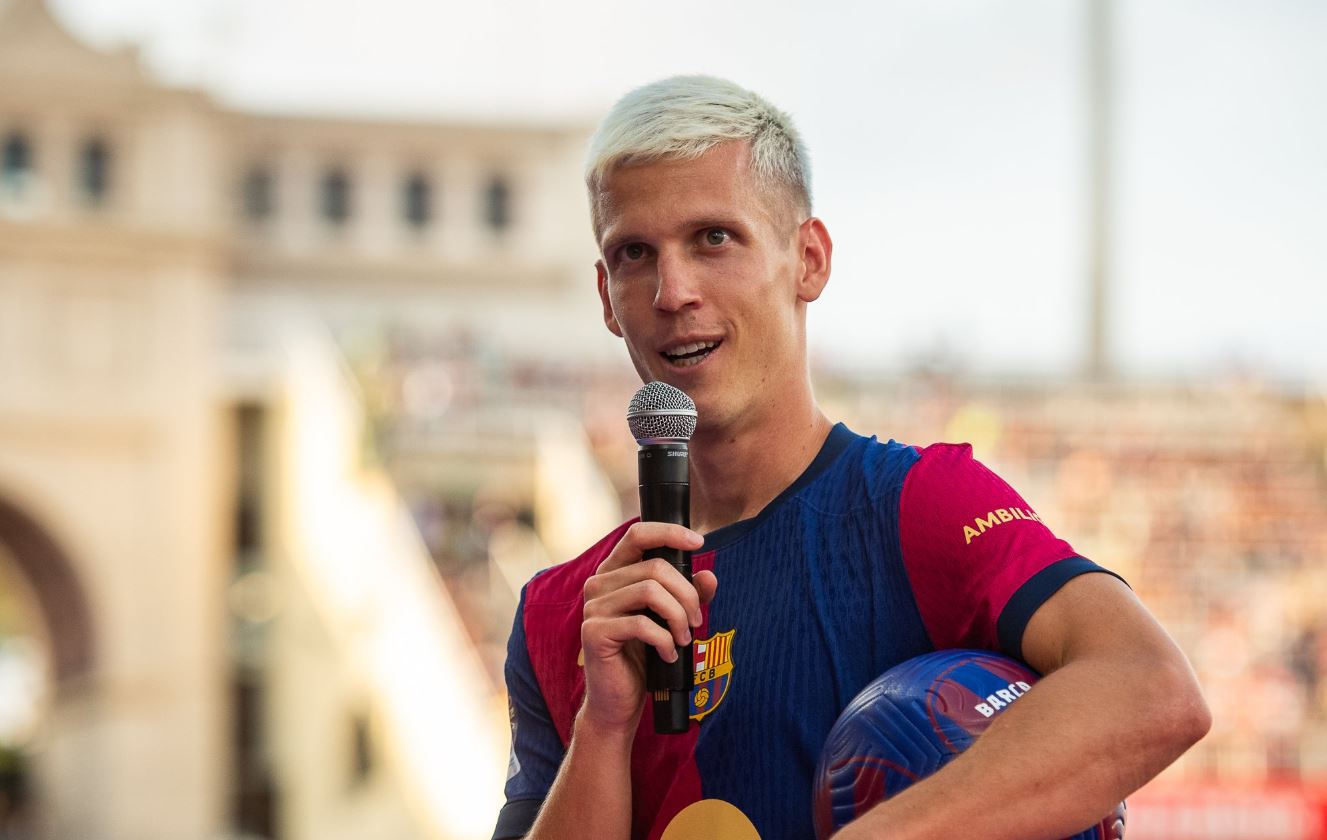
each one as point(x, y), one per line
point(911, 722)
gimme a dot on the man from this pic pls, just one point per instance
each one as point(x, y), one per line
point(826, 559)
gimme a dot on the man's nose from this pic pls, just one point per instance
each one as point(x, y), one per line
point(678, 281)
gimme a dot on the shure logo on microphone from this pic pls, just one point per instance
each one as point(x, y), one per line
point(673, 453)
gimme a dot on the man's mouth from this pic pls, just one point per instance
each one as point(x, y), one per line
point(692, 353)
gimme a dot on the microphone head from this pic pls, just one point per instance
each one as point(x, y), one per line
point(660, 413)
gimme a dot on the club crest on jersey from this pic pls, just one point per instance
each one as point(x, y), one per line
point(713, 658)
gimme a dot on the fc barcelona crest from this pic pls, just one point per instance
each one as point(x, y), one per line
point(714, 671)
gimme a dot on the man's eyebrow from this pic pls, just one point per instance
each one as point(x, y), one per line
point(717, 221)
point(617, 238)
point(733, 222)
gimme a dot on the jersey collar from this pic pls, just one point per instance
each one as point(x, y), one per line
point(838, 439)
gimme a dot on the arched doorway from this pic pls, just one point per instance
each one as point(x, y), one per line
point(59, 594)
point(46, 654)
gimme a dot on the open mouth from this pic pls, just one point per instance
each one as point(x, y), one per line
point(686, 355)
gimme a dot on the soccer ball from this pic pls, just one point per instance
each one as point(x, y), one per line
point(911, 722)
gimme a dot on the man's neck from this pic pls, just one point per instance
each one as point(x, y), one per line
point(735, 473)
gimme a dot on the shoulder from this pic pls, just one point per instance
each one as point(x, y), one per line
point(940, 456)
point(563, 583)
point(948, 487)
point(947, 469)
point(868, 469)
point(861, 469)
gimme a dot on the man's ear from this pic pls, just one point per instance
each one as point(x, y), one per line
point(601, 279)
point(817, 250)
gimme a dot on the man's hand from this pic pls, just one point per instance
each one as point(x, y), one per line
point(615, 629)
point(591, 796)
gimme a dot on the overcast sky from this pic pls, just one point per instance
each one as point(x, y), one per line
point(947, 138)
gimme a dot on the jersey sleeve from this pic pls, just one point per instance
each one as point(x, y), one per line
point(979, 559)
point(536, 749)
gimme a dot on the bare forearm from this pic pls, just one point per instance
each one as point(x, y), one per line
point(1055, 761)
point(591, 796)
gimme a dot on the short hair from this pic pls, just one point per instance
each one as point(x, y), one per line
point(684, 117)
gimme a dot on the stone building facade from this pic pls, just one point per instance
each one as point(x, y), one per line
point(182, 489)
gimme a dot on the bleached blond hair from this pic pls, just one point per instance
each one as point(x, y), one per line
point(684, 117)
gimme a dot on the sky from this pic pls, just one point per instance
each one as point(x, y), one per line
point(948, 142)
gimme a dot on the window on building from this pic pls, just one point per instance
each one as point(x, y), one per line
point(254, 799)
point(15, 164)
point(497, 204)
point(259, 194)
point(251, 442)
point(255, 802)
point(417, 200)
point(335, 196)
point(361, 749)
point(94, 160)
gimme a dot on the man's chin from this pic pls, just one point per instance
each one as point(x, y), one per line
point(714, 416)
point(668, 377)
point(711, 410)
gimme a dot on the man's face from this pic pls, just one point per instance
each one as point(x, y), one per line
point(705, 274)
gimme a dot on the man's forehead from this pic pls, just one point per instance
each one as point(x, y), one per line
point(720, 183)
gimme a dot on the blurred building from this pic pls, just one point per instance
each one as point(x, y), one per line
point(218, 617)
point(288, 413)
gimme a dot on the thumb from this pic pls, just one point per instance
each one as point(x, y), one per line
point(706, 584)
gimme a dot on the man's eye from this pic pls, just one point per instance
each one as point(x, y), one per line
point(716, 236)
point(633, 252)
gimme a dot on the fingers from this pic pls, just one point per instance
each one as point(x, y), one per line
point(605, 636)
point(655, 569)
point(646, 535)
point(625, 586)
point(669, 601)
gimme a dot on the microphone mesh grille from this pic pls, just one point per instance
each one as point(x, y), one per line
point(654, 413)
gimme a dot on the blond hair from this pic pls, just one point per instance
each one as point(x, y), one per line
point(684, 117)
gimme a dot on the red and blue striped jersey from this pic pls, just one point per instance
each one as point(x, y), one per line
point(877, 553)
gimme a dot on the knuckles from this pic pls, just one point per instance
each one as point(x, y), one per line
point(643, 535)
point(590, 590)
point(659, 568)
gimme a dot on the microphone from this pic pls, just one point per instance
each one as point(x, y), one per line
point(662, 420)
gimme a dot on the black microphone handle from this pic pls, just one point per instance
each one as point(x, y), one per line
point(665, 496)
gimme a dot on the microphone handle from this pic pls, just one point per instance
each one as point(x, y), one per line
point(665, 496)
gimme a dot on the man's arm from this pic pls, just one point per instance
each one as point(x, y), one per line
point(1119, 703)
point(591, 796)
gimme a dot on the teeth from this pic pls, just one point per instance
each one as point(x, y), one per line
point(692, 348)
point(686, 355)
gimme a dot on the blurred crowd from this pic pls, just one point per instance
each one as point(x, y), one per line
point(1211, 500)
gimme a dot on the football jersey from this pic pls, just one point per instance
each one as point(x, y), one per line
point(877, 553)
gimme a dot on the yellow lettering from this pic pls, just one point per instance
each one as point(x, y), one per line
point(1005, 516)
point(989, 522)
point(968, 534)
